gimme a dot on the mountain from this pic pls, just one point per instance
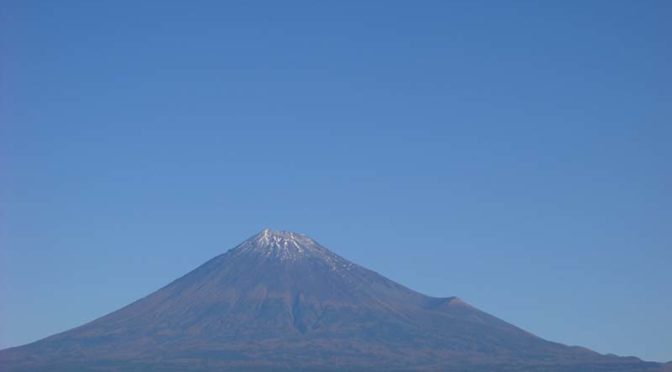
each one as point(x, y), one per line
point(281, 301)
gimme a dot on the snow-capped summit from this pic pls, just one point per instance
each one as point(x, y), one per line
point(269, 238)
point(284, 245)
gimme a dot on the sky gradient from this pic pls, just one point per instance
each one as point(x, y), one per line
point(514, 154)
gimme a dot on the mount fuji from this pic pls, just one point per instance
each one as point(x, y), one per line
point(282, 301)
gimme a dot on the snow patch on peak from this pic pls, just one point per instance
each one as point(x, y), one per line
point(269, 238)
point(285, 245)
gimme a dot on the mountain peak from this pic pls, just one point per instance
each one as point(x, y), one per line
point(285, 245)
point(267, 233)
point(268, 237)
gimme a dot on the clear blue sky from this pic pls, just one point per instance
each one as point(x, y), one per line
point(515, 154)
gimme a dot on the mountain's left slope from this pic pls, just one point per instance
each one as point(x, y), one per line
point(282, 301)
